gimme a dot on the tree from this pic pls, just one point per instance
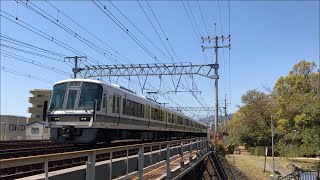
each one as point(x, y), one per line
point(295, 104)
point(251, 124)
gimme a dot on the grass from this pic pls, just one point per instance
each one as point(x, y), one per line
point(253, 165)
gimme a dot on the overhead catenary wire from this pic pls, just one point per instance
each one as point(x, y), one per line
point(135, 26)
point(156, 31)
point(25, 75)
point(166, 37)
point(126, 30)
point(99, 39)
point(26, 60)
point(29, 46)
point(45, 35)
point(30, 52)
point(205, 26)
point(118, 23)
point(74, 34)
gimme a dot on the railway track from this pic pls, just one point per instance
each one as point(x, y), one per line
point(18, 144)
point(24, 171)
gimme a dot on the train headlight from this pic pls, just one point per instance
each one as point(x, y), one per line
point(55, 118)
point(84, 118)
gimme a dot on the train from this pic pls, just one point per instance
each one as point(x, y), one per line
point(86, 111)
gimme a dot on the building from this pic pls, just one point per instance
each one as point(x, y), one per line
point(12, 127)
point(37, 131)
point(37, 100)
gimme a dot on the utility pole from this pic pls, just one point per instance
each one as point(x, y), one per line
point(216, 47)
point(75, 70)
point(272, 131)
point(225, 120)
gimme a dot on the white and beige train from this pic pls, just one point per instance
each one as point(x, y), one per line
point(89, 111)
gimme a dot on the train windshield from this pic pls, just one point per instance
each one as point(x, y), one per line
point(59, 91)
point(89, 93)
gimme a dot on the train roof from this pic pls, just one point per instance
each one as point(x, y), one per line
point(127, 91)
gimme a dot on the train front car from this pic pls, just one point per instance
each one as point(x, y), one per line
point(72, 110)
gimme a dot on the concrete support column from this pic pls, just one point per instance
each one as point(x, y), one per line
point(91, 165)
point(190, 149)
point(140, 162)
point(110, 166)
point(46, 169)
point(181, 156)
point(127, 163)
point(168, 169)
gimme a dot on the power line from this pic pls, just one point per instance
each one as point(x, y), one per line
point(123, 28)
point(88, 31)
point(119, 24)
point(194, 19)
point(70, 31)
point(43, 34)
point(26, 45)
point(156, 31)
point(30, 52)
point(165, 35)
point(20, 58)
point(205, 26)
point(220, 16)
point(126, 17)
point(25, 75)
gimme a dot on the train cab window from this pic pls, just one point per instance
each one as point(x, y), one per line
point(90, 92)
point(71, 99)
point(57, 98)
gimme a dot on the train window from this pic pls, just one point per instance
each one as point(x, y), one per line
point(118, 105)
point(160, 116)
point(179, 120)
point(187, 122)
point(104, 100)
point(72, 95)
point(143, 110)
point(131, 108)
point(89, 93)
point(59, 91)
point(124, 106)
point(12, 127)
point(113, 104)
point(147, 111)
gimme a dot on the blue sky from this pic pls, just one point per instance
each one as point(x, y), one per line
point(268, 38)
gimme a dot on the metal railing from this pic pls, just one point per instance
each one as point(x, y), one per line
point(302, 175)
point(198, 144)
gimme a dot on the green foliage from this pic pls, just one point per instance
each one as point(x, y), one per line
point(257, 151)
point(221, 149)
point(295, 104)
